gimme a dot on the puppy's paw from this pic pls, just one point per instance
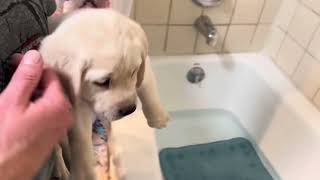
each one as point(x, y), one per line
point(158, 120)
point(116, 155)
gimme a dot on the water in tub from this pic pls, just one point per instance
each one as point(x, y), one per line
point(210, 144)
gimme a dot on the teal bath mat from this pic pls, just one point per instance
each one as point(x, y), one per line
point(234, 159)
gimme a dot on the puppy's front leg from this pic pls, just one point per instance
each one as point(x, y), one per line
point(61, 171)
point(151, 105)
point(82, 159)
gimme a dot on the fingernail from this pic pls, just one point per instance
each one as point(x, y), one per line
point(31, 57)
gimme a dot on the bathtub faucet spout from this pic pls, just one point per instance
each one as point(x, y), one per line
point(204, 25)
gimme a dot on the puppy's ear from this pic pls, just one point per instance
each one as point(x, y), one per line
point(69, 67)
point(71, 76)
point(144, 55)
point(140, 74)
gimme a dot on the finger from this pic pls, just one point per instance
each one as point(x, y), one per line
point(52, 103)
point(52, 91)
point(26, 78)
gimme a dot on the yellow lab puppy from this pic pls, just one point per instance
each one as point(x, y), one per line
point(102, 59)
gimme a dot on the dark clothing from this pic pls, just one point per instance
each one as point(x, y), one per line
point(21, 23)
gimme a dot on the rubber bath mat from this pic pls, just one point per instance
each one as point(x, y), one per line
point(234, 159)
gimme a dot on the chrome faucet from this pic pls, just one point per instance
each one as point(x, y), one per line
point(204, 25)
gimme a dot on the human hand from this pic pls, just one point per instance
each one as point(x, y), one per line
point(31, 123)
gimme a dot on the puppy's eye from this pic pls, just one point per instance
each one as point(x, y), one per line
point(105, 83)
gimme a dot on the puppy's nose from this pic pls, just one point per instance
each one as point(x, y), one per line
point(127, 110)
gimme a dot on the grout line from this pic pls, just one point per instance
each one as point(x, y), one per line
point(148, 24)
point(300, 59)
point(309, 8)
point(315, 95)
point(293, 39)
point(312, 36)
point(243, 24)
point(292, 17)
point(135, 9)
point(262, 10)
point(290, 21)
point(167, 28)
point(285, 32)
point(265, 23)
point(281, 45)
point(154, 24)
point(228, 27)
point(312, 56)
point(310, 40)
point(196, 43)
point(259, 19)
point(237, 24)
point(254, 34)
point(299, 63)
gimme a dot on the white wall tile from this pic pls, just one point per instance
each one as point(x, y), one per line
point(156, 37)
point(259, 37)
point(270, 10)
point(286, 12)
point(239, 38)
point(152, 11)
point(247, 11)
point(184, 12)
point(314, 47)
point(274, 41)
point(181, 39)
point(221, 14)
point(203, 47)
point(303, 25)
point(289, 55)
point(307, 76)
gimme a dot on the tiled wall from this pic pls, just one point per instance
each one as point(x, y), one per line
point(294, 45)
point(242, 25)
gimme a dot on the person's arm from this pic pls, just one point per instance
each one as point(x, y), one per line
point(31, 125)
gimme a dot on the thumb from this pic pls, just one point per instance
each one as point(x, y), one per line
point(25, 78)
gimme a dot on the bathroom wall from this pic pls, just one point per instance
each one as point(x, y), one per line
point(243, 25)
point(294, 45)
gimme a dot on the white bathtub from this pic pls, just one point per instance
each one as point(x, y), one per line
point(284, 125)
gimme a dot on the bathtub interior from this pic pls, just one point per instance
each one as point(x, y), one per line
point(250, 95)
point(263, 101)
point(228, 87)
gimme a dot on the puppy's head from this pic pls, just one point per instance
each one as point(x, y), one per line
point(100, 56)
